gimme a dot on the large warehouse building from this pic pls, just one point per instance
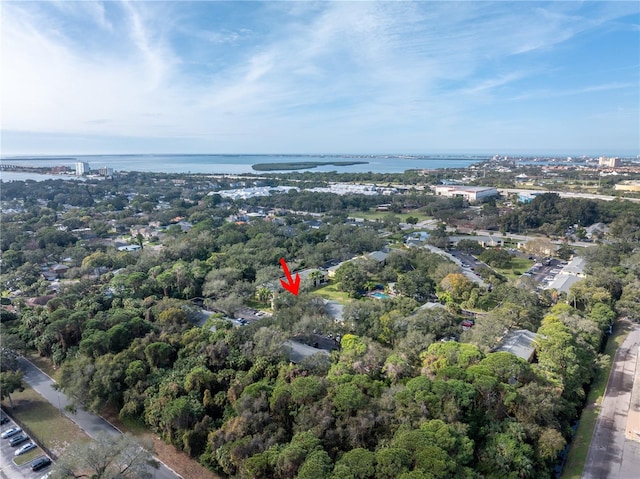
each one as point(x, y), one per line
point(469, 193)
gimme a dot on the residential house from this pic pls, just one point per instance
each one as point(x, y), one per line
point(520, 342)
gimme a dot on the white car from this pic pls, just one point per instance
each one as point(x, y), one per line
point(24, 449)
point(12, 431)
point(46, 476)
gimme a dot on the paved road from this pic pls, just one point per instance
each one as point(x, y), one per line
point(89, 423)
point(611, 455)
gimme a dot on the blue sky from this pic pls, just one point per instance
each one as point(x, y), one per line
point(320, 77)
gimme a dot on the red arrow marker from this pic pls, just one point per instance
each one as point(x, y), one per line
point(293, 285)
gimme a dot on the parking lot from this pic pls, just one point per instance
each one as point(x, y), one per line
point(8, 468)
point(467, 260)
point(544, 272)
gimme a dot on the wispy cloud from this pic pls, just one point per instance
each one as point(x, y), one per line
point(283, 73)
point(558, 93)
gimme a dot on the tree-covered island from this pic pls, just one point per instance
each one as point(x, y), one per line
point(302, 165)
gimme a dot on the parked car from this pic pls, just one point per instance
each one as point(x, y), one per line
point(4, 419)
point(12, 431)
point(40, 463)
point(24, 449)
point(19, 439)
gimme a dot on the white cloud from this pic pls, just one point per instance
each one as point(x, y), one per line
point(326, 70)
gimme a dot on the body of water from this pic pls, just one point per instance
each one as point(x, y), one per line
point(238, 164)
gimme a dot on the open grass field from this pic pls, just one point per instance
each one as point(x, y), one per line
point(54, 431)
point(379, 215)
point(330, 291)
point(579, 448)
point(518, 266)
point(254, 303)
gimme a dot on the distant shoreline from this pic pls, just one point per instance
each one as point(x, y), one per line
point(303, 165)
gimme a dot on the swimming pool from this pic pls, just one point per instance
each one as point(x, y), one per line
point(379, 295)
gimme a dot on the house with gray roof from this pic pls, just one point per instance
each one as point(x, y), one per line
point(520, 342)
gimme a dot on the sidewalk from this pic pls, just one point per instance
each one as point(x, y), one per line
point(88, 422)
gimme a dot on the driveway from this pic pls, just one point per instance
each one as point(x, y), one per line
point(88, 422)
point(611, 454)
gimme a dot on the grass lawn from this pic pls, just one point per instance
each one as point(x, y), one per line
point(579, 448)
point(44, 421)
point(330, 291)
point(253, 303)
point(28, 457)
point(519, 265)
point(378, 215)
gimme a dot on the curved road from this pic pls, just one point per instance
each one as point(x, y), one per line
point(611, 455)
point(89, 423)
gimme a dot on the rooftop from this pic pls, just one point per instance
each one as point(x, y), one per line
point(519, 342)
point(575, 266)
point(298, 351)
point(563, 282)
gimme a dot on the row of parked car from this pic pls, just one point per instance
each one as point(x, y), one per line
point(16, 438)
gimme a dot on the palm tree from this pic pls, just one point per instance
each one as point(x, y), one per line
point(264, 294)
point(316, 276)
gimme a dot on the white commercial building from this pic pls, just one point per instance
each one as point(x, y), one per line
point(609, 162)
point(82, 168)
point(469, 193)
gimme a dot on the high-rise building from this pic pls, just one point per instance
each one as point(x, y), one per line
point(609, 162)
point(105, 171)
point(82, 168)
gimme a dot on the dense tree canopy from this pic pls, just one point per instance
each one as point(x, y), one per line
point(405, 392)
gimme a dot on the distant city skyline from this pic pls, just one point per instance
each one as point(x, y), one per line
point(366, 77)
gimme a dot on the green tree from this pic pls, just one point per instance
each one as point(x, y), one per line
point(10, 381)
point(562, 359)
point(498, 258)
point(359, 462)
point(629, 303)
point(507, 455)
point(264, 295)
point(565, 252)
point(347, 398)
point(316, 466)
point(470, 246)
point(415, 284)
point(108, 457)
point(457, 285)
point(159, 355)
point(173, 317)
point(391, 462)
point(352, 278)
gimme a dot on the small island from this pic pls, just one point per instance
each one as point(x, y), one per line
point(302, 165)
